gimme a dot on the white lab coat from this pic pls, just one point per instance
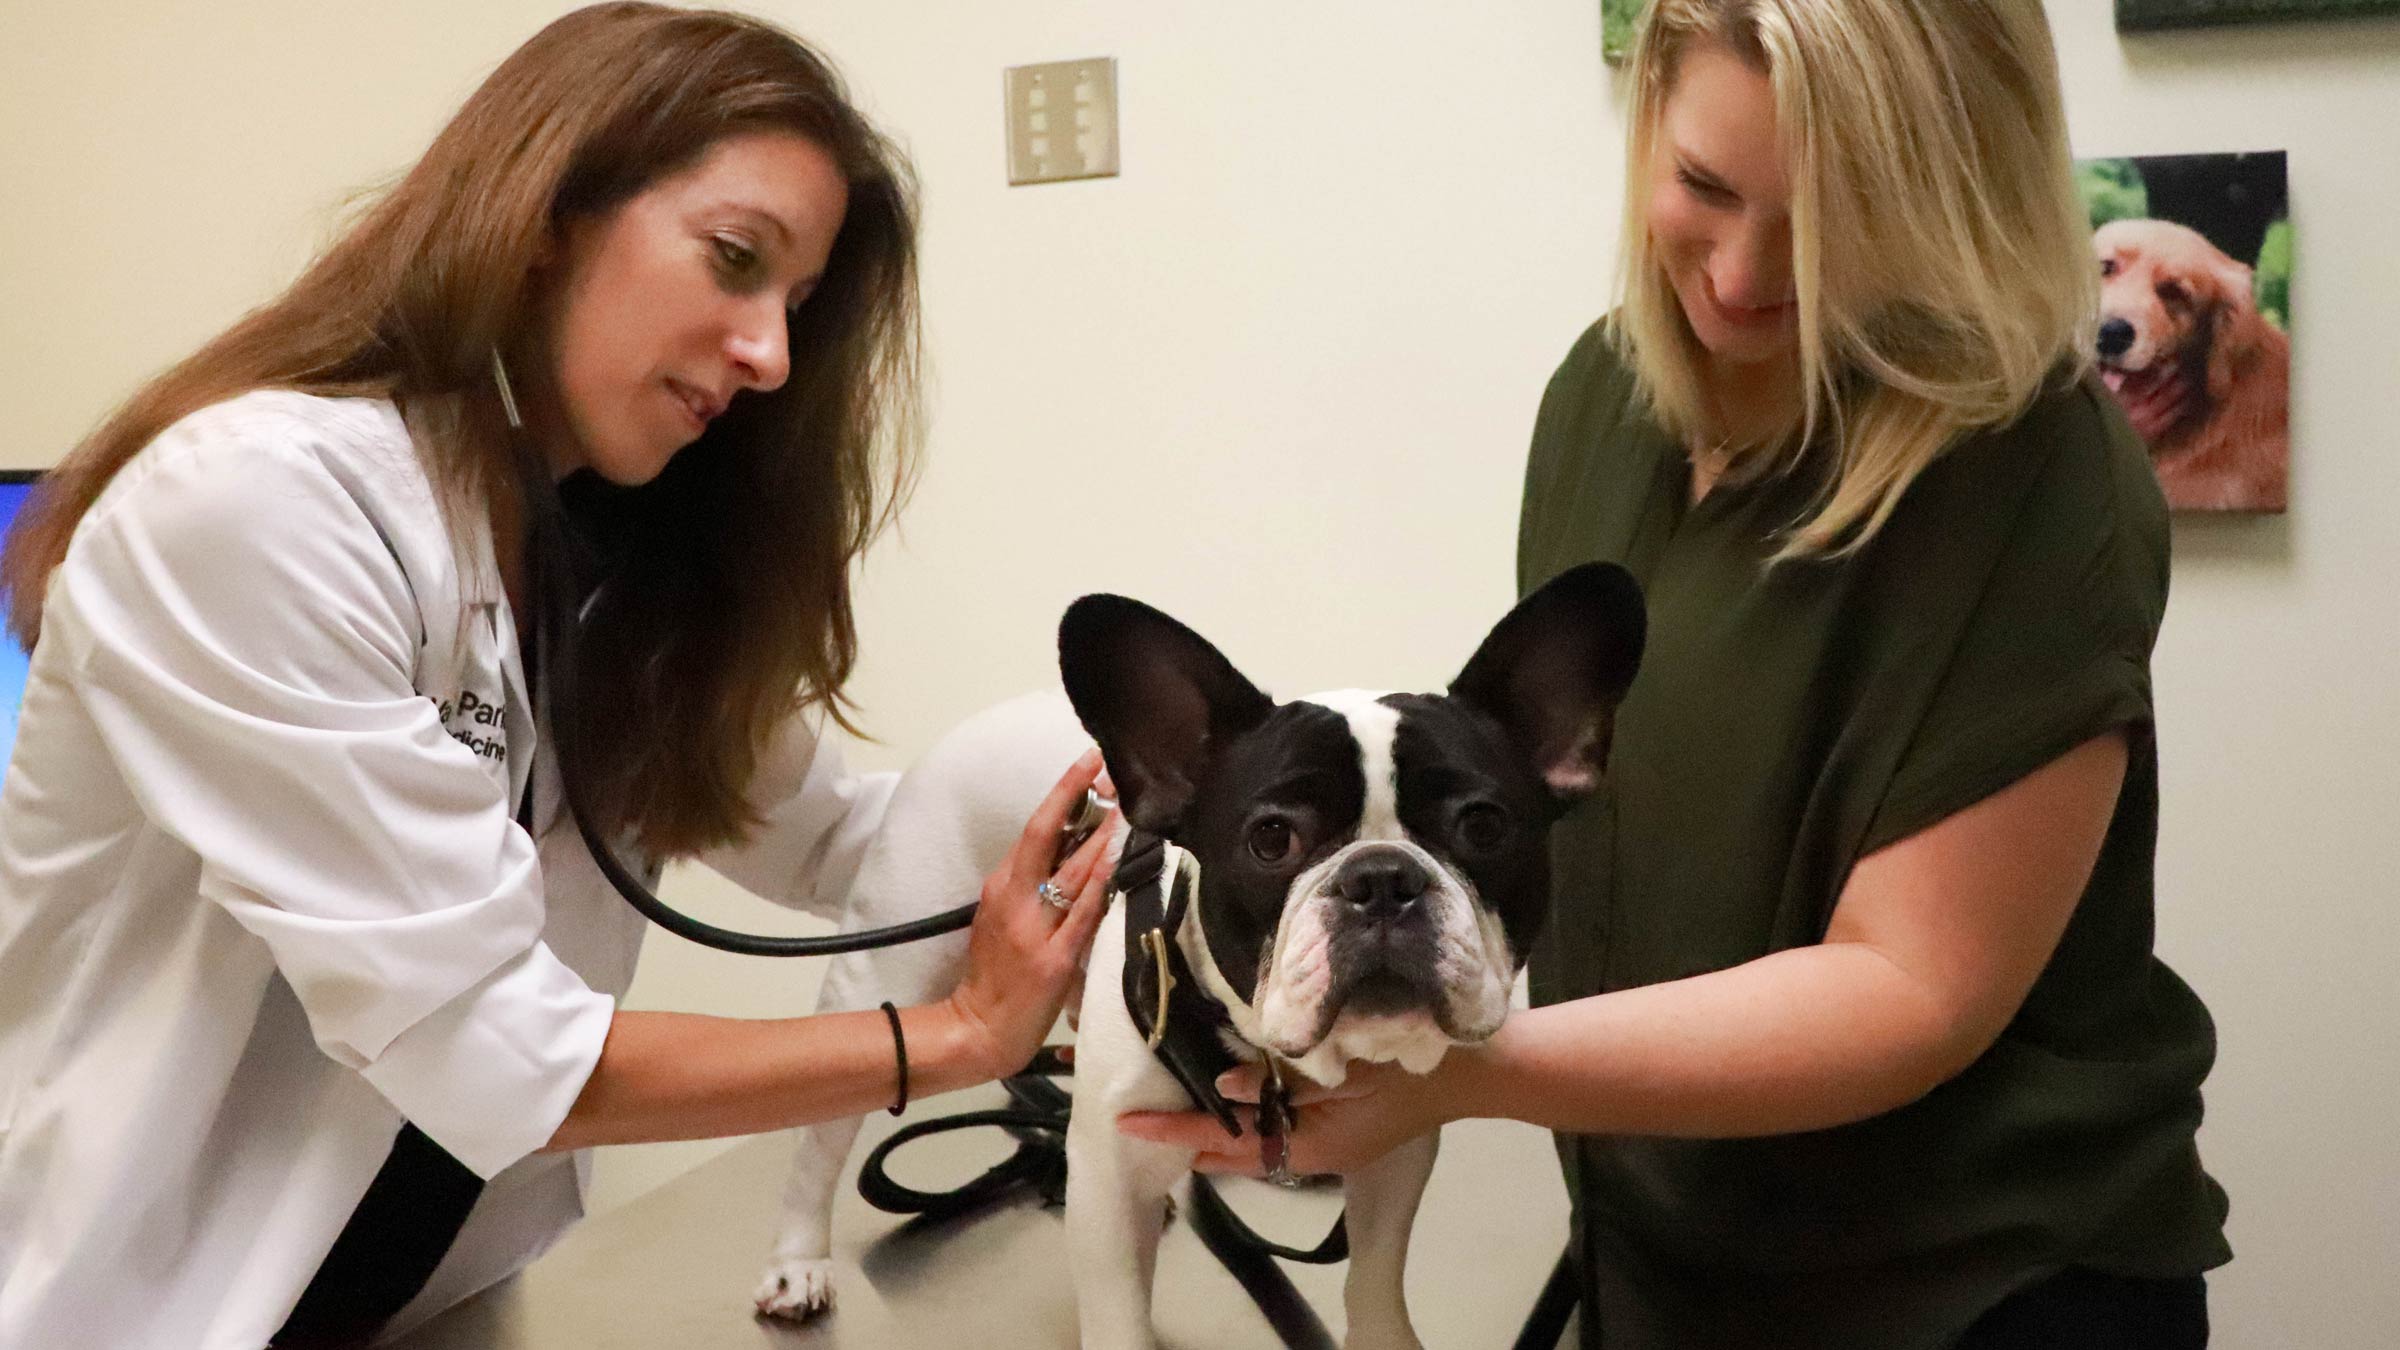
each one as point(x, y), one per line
point(263, 896)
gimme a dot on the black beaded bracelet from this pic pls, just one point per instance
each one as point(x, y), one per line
point(899, 1052)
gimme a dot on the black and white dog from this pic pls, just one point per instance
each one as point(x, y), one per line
point(1365, 874)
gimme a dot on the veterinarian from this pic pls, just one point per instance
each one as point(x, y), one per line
point(1847, 1016)
point(308, 987)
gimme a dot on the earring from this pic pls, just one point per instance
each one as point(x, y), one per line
point(508, 395)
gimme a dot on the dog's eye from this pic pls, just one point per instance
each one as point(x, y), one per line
point(2108, 267)
point(2173, 292)
point(1482, 827)
point(1273, 841)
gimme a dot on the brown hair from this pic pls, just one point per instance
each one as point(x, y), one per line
point(726, 581)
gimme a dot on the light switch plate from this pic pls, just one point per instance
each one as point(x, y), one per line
point(1062, 121)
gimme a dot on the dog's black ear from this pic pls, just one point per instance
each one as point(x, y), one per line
point(1156, 696)
point(1554, 670)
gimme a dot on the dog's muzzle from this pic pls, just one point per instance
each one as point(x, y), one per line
point(1390, 944)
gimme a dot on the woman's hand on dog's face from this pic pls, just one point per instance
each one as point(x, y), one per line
point(1377, 1108)
point(1023, 958)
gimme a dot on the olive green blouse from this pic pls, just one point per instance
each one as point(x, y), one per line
point(1789, 721)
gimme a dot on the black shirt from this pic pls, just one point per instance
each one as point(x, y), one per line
point(1790, 721)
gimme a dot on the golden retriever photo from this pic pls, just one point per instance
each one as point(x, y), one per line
point(2201, 369)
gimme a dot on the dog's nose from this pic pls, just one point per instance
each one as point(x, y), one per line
point(2115, 336)
point(1385, 882)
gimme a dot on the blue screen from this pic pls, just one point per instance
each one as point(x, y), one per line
point(12, 658)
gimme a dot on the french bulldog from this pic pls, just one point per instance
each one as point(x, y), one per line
point(1368, 872)
point(1365, 874)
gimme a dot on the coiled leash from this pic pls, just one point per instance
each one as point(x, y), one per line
point(1180, 1024)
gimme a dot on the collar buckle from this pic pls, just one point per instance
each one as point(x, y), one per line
point(1155, 940)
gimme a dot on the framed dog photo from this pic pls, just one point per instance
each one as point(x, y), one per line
point(2135, 15)
point(2195, 259)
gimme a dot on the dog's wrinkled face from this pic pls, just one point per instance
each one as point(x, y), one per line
point(1375, 862)
point(1373, 868)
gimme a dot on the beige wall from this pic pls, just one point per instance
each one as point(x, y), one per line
point(1278, 379)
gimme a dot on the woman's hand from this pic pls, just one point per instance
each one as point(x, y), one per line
point(1024, 956)
point(1377, 1108)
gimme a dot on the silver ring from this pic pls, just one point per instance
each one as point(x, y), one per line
point(1281, 1174)
point(1053, 896)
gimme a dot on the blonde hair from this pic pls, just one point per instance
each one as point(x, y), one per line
point(1942, 262)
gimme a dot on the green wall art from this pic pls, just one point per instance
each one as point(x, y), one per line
point(1617, 20)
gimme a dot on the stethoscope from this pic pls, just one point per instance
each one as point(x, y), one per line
point(558, 613)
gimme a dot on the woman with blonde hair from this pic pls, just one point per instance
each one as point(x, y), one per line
point(1847, 1017)
point(308, 986)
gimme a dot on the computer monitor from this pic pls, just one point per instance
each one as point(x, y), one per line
point(15, 486)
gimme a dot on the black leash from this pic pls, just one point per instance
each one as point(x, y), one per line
point(1251, 1261)
point(1037, 1120)
point(1552, 1307)
point(1181, 1023)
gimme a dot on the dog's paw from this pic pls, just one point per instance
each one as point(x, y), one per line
point(796, 1289)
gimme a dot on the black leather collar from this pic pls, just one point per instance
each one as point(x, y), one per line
point(1191, 1043)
